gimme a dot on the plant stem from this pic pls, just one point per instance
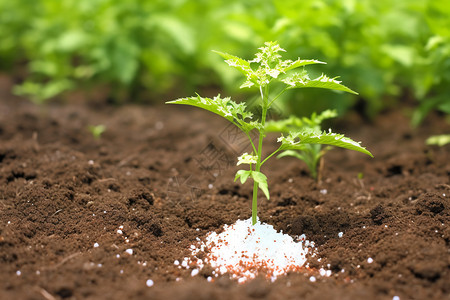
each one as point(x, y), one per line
point(259, 154)
point(272, 154)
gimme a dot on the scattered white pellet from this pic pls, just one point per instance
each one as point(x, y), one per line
point(91, 162)
point(149, 283)
point(370, 260)
point(18, 273)
point(340, 234)
point(210, 186)
point(118, 255)
point(119, 231)
point(9, 222)
point(96, 245)
point(290, 180)
point(194, 272)
point(323, 191)
point(129, 251)
point(312, 279)
point(176, 263)
point(121, 271)
point(396, 298)
point(209, 279)
point(38, 272)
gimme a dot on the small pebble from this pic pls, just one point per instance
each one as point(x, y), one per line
point(340, 234)
point(194, 272)
point(176, 263)
point(210, 186)
point(96, 245)
point(119, 231)
point(370, 260)
point(129, 251)
point(149, 283)
point(323, 191)
point(91, 162)
point(18, 273)
point(312, 279)
point(396, 298)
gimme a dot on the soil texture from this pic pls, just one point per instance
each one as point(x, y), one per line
point(72, 206)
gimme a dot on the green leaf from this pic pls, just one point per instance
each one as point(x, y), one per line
point(243, 174)
point(294, 153)
point(296, 140)
point(240, 64)
point(224, 107)
point(302, 62)
point(439, 140)
point(323, 82)
point(261, 179)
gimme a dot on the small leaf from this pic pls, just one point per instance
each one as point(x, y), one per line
point(261, 179)
point(238, 63)
point(293, 153)
point(296, 140)
point(439, 140)
point(323, 82)
point(243, 175)
point(224, 107)
point(302, 62)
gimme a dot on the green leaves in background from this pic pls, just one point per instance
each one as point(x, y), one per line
point(296, 140)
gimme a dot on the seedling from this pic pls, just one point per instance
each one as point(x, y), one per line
point(311, 154)
point(265, 70)
point(97, 130)
point(440, 140)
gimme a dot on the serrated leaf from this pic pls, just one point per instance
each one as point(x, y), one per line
point(295, 140)
point(243, 175)
point(323, 82)
point(238, 63)
point(224, 107)
point(302, 62)
point(261, 179)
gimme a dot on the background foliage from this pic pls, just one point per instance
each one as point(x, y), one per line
point(143, 50)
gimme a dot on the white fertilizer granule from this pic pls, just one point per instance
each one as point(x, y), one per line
point(243, 250)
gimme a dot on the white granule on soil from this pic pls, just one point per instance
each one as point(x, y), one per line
point(243, 250)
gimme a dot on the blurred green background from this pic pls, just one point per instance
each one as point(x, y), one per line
point(150, 50)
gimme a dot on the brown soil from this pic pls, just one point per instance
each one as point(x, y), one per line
point(165, 174)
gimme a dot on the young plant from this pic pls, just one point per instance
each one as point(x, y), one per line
point(311, 154)
point(97, 130)
point(265, 70)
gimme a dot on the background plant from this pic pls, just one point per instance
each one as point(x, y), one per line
point(389, 51)
point(311, 154)
point(263, 72)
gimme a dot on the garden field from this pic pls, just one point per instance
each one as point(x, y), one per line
point(124, 123)
point(65, 195)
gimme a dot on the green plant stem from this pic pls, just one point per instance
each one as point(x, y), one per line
point(273, 153)
point(259, 154)
point(251, 142)
point(276, 97)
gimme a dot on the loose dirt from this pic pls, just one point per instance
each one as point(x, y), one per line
point(86, 218)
